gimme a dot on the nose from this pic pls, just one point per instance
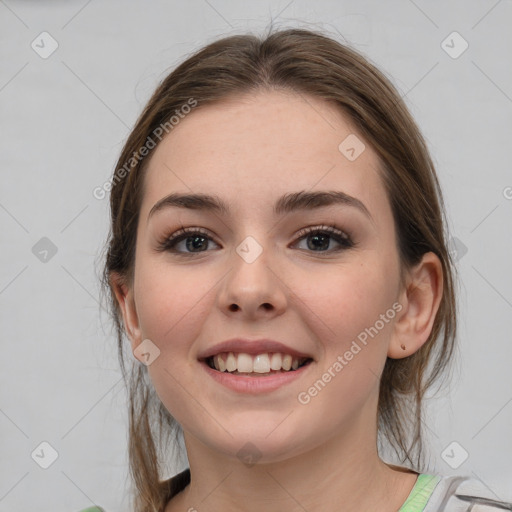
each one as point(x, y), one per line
point(253, 288)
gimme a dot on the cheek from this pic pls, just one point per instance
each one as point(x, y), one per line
point(346, 299)
point(355, 306)
point(170, 300)
point(171, 306)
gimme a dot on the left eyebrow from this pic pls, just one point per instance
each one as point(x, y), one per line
point(287, 203)
point(304, 200)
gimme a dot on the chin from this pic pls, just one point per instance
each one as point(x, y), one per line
point(253, 445)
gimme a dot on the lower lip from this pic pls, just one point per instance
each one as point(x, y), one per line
point(255, 385)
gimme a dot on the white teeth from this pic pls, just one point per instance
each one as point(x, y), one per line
point(260, 363)
point(276, 361)
point(231, 362)
point(244, 363)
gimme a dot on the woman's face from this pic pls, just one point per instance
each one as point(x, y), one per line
point(254, 273)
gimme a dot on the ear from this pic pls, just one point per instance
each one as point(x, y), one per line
point(420, 299)
point(125, 298)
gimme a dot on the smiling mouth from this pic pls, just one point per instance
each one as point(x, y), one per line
point(259, 365)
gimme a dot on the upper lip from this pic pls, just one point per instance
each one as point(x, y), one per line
point(247, 346)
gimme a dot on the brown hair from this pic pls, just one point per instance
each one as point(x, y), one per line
point(313, 64)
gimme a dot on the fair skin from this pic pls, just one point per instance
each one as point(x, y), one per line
point(249, 151)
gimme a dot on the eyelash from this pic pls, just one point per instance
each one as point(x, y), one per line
point(169, 242)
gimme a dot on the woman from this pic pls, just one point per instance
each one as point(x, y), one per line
point(278, 261)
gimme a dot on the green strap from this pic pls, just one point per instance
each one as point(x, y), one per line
point(416, 501)
point(420, 493)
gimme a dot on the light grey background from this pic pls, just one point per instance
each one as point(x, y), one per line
point(64, 119)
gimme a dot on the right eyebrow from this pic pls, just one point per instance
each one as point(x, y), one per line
point(192, 202)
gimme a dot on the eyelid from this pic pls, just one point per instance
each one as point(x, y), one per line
point(185, 231)
point(323, 227)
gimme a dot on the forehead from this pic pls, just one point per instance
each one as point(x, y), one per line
point(252, 148)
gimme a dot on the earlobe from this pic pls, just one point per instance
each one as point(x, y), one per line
point(420, 300)
point(125, 299)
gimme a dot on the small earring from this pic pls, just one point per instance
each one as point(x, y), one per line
point(403, 346)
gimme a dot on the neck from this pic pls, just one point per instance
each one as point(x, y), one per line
point(343, 473)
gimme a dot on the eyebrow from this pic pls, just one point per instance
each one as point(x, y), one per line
point(287, 203)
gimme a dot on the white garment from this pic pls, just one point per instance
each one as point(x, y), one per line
point(465, 494)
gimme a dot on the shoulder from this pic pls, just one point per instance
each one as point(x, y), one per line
point(463, 493)
point(169, 487)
